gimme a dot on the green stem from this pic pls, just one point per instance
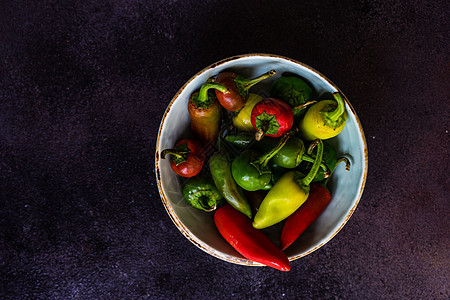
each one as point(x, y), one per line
point(178, 154)
point(264, 159)
point(202, 99)
point(203, 94)
point(305, 181)
point(311, 160)
point(340, 109)
point(248, 83)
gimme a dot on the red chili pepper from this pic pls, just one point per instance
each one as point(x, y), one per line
point(302, 218)
point(238, 87)
point(318, 199)
point(272, 117)
point(251, 243)
point(187, 157)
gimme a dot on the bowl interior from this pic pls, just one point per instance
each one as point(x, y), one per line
point(345, 186)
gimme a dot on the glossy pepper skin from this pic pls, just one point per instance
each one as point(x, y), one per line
point(250, 169)
point(251, 243)
point(205, 113)
point(291, 155)
point(271, 117)
point(238, 87)
point(294, 91)
point(201, 193)
point(220, 168)
point(287, 195)
point(325, 119)
point(318, 199)
point(242, 120)
point(187, 157)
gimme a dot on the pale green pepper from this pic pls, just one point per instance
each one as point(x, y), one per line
point(287, 195)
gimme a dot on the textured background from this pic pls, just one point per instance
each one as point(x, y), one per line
point(84, 85)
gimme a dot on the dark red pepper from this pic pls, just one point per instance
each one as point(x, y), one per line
point(318, 199)
point(251, 243)
point(238, 87)
point(272, 117)
point(187, 157)
point(302, 218)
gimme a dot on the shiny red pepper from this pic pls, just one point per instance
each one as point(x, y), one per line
point(272, 117)
point(251, 243)
point(238, 87)
point(318, 199)
point(302, 218)
point(187, 157)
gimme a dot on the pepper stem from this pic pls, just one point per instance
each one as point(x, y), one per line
point(340, 109)
point(304, 105)
point(248, 83)
point(311, 160)
point(203, 99)
point(179, 156)
point(264, 159)
point(203, 94)
point(305, 181)
point(259, 135)
point(347, 167)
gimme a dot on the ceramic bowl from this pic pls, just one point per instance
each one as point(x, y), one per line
point(346, 187)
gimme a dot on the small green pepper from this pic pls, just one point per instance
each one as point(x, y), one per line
point(250, 169)
point(220, 168)
point(294, 91)
point(291, 155)
point(287, 195)
point(325, 119)
point(201, 193)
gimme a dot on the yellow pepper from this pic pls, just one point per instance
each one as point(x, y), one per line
point(287, 195)
point(325, 119)
point(242, 120)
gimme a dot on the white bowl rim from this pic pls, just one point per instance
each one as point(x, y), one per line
point(186, 232)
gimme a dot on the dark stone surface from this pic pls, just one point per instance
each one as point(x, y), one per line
point(83, 88)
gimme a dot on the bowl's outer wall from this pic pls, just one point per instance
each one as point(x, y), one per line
point(346, 187)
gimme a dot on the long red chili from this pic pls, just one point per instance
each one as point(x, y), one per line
point(302, 218)
point(318, 199)
point(251, 243)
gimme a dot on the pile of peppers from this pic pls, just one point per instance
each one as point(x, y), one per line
point(259, 162)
